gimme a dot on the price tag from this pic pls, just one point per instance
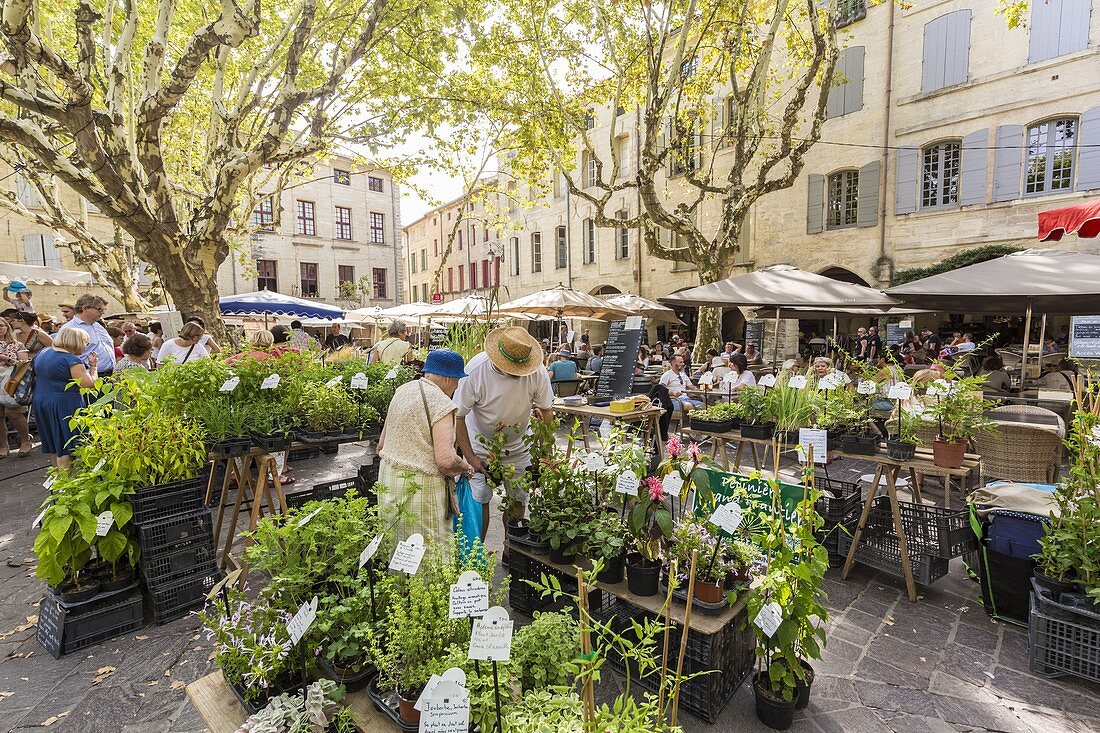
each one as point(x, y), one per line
point(103, 523)
point(454, 674)
point(38, 520)
point(627, 483)
point(594, 462)
point(270, 382)
point(605, 429)
point(727, 516)
point(305, 520)
point(447, 710)
point(673, 483)
point(707, 379)
point(370, 550)
point(230, 384)
point(50, 480)
point(302, 620)
point(769, 618)
point(819, 439)
point(900, 392)
point(469, 596)
point(224, 582)
point(99, 466)
point(798, 381)
point(334, 381)
point(866, 386)
point(359, 381)
point(768, 380)
point(491, 638)
point(406, 558)
point(392, 373)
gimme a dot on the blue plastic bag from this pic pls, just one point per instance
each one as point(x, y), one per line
point(467, 523)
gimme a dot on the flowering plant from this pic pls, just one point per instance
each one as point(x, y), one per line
point(689, 535)
point(650, 521)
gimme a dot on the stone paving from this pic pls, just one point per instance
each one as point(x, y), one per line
point(938, 665)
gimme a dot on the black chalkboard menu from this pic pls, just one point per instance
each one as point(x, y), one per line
point(51, 625)
point(754, 334)
point(619, 357)
point(895, 334)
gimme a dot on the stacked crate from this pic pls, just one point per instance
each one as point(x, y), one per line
point(178, 555)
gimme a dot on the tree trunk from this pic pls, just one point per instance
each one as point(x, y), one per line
point(709, 333)
point(192, 288)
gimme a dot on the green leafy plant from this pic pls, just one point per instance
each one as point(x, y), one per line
point(562, 507)
point(543, 650)
point(691, 534)
point(318, 708)
point(607, 537)
point(789, 408)
point(957, 406)
point(720, 411)
point(752, 404)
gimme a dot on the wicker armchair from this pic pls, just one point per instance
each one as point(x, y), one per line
point(1018, 452)
point(1024, 410)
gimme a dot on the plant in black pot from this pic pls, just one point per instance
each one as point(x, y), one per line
point(327, 412)
point(347, 620)
point(901, 445)
point(753, 406)
point(64, 542)
point(650, 524)
point(718, 418)
point(562, 510)
point(607, 540)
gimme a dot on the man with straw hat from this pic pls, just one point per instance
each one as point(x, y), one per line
point(503, 384)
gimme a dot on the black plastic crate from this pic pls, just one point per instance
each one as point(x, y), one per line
point(229, 448)
point(303, 454)
point(322, 492)
point(840, 504)
point(175, 532)
point(176, 563)
point(1059, 646)
point(945, 533)
point(173, 600)
point(270, 443)
point(152, 503)
point(880, 550)
point(61, 633)
point(525, 599)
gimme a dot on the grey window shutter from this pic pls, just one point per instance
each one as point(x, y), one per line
point(905, 185)
point(853, 90)
point(1008, 162)
point(1073, 27)
point(867, 201)
point(1088, 150)
point(975, 160)
point(53, 254)
point(935, 43)
point(957, 54)
point(834, 105)
point(815, 204)
point(1043, 43)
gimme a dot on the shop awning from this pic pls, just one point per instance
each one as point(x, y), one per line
point(37, 275)
point(266, 302)
point(1081, 219)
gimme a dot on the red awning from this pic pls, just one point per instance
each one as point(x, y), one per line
point(1082, 219)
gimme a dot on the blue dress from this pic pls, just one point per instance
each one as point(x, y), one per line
point(55, 400)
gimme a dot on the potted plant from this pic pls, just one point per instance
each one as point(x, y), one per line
point(753, 406)
point(65, 541)
point(562, 510)
point(225, 423)
point(719, 418)
point(543, 649)
point(317, 707)
point(347, 620)
point(740, 556)
point(607, 540)
point(958, 408)
point(650, 524)
point(690, 534)
point(902, 445)
point(790, 409)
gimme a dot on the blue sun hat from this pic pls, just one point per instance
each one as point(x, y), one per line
point(445, 363)
point(17, 286)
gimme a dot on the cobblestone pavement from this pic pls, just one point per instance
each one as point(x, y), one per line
point(937, 665)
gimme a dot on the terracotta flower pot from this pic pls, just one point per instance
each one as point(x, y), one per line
point(406, 708)
point(708, 592)
point(948, 454)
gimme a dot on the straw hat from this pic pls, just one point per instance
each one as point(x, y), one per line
point(513, 351)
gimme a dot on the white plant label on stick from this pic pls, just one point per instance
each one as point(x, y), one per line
point(271, 381)
point(359, 381)
point(706, 379)
point(730, 378)
point(900, 392)
point(798, 381)
point(223, 583)
point(299, 625)
point(103, 523)
point(305, 520)
point(673, 483)
point(627, 483)
point(38, 520)
point(447, 710)
point(866, 386)
point(406, 558)
point(392, 373)
point(605, 429)
point(769, 618)
point(370, 550)
point(768, 380)
point(491, 638)
point(727, 516)
point(469, 596)
point(594, 462)
point(99, 466)
point(832, 380)
point(454, 674)
point(334, 381)
point(230, 384)
point(49, 482)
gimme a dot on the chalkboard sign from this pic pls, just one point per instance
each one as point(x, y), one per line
point(437, 337)
point(619, 357)
point(1084, 337)
point(51, 625)
point(754, 334)
point(895, 334)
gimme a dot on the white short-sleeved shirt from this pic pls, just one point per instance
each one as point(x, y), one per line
point(487, 397)
point(675, 383)
point(178, 354)
point(744, 379)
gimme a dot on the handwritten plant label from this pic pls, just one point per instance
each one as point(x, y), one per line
point(223, 583)
point(370, 550)
point(50, 480)
point(406, 558)
point(392, 373)
point(866, 386)
point(627, 483)
point(230, 384)
point(299, 625)
point(38, 520)
point(453, 675)
point(469, 596)
point(900, 392)
point(271, 381)
point(594, 462)
point(103, 523)
point(447, 710)
point(832, 380)
point(707, 379)
point(727, 516)
point(769, 618)
point(359, 381)
point(605, 429)
point(491, 638)
point(818, 439)
point(768, 380)
point(99, 466)
point(673, 483)
point(305, 520)
point(334, 381)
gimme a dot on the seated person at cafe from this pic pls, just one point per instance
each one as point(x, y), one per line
point(709, 363)
point(562, 367)
point(933, 344)
point(963, 344)
point(752, 355)
point(996, 378)
point(936, 371)
point(595, 364)
point(738, 376)
point(677, 382)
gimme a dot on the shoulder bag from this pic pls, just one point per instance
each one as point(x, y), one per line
point(20, 385)
point(450, 501)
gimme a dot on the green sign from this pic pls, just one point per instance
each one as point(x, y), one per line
point(756, 498)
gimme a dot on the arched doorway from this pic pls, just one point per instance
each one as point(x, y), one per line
point(605, 290)
point(844, 276)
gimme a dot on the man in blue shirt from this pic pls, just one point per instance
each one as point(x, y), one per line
point(562, 367)
point(595, 364)
point(89, 310)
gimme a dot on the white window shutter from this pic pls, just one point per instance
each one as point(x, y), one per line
point(867, 196)
point(905, 183)
point(1008, 162)
point(972, 172)
point(1088, 150)
point(815, 203)
point(53, 254)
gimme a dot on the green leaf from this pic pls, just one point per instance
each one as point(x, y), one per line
point(123, 512)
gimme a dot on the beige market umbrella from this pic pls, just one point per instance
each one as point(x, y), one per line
point(640, 306)
point(468, 306)
point(562, 302)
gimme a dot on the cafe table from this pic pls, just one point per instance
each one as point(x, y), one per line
point(646, 418)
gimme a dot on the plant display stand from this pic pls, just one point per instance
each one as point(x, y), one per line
point(647, 417)
point(722, 644)
point(720, 443)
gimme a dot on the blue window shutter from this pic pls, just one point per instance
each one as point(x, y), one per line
point(935, 45)
point(853, 90)
point(1073, 26)
point(975, 161)
point(905, 185)
point(957, 53)
point(1088, 150)
point(867, 201)
point(815, 204)
point(1008, 162)
point(1058, 27)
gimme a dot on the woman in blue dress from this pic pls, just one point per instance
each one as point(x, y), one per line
point(56, 398)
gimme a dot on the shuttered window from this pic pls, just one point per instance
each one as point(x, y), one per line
point(846, 96)
point(842, 200)
point(1058, 27)
point(849, 11)
point(1088, 154)
point(589, 241)
point(536, 251)
point(946, 51)
point(622, 236)
point(40, 250)
point(940, 175)
point(1051, 146)
point(514, 269)
point(561, 248)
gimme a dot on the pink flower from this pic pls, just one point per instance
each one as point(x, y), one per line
point(674, 446)
point(693, 452)
point(655, 488)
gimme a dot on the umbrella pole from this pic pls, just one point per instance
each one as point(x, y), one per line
point(832, 346)
point(1027, 333)
point(775, 347)
point(1042, 340)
